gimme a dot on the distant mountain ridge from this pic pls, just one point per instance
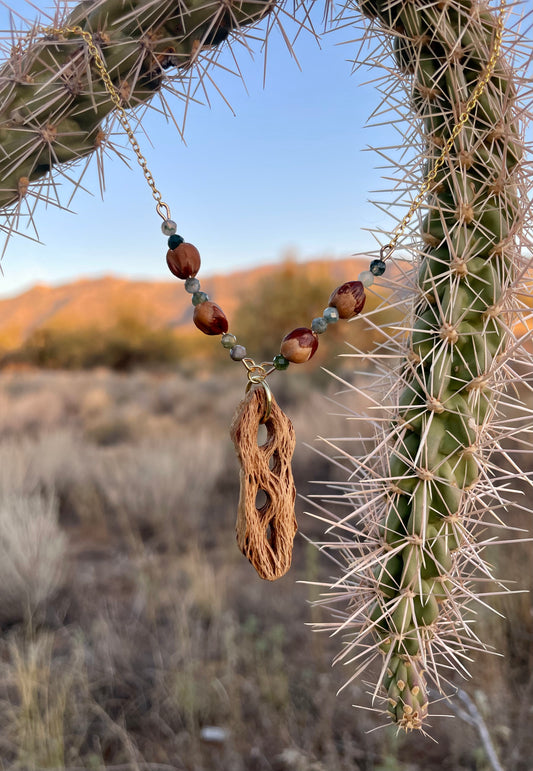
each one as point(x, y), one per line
point(98, 302)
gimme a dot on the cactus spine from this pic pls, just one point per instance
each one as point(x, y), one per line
point(411, 560)
point(52, 98)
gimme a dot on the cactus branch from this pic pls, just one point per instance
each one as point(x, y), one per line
point(55, 109)
point(428, 481)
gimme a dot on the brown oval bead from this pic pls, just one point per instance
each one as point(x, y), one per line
point(299, 345)
point(210, 319)
point(184, 261)
point(348, 299)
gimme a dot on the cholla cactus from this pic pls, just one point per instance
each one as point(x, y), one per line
point(427, 482)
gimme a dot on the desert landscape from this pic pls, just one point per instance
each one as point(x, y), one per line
point(134, 633)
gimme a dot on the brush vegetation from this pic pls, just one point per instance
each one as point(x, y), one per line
point(156, 631)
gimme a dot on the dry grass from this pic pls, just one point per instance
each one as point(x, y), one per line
point(162, 631)
point(32, 555)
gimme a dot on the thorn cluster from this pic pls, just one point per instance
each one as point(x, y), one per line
point(406, 529)
point(54, 107)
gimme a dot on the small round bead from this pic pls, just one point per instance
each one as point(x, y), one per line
point(366, 278)
point(210, 319)
point(377, 267)
point(319, 325)
point(299, 345)
point(169, 227)
point(192, 285)
point(331, 315)
point(174, 241)
point(228, 340)
point(280, 362)
point(238, 352)
point(348, 299)
point(199, 297)
point(184, 261)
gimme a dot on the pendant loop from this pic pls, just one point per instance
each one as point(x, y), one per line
point(257, 374)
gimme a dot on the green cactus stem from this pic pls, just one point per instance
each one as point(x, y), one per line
point(413, 561)
point(52, 98)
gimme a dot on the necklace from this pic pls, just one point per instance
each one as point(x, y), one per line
point(265, 535)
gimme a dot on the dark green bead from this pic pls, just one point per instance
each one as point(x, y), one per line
point(175, 241)
point(280, 362)
point(377, 267)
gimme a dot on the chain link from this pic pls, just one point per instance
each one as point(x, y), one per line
point(258, 372)
point(161, 207)
point(388, 249)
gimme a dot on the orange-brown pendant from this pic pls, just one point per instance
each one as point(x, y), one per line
point(265, 535)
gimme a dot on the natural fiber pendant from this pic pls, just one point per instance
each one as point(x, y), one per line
point(265, 535)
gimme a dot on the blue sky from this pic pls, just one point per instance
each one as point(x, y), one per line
point(287, 172)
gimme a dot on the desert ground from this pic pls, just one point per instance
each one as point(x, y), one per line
point(134, 635)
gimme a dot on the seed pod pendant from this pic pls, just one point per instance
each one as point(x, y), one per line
point(265, 535)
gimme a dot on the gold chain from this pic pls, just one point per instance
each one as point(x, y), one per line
point(387, 250)
point(161, 207)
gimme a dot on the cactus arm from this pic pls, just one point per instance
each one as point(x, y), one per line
point(52, 99)
point(412, 565)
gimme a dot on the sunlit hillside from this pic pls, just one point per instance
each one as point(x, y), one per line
point(158, 304)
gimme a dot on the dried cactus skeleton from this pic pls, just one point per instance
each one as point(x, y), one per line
point(405, 538)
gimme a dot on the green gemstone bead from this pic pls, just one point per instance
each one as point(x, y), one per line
point(238, 352)
point(366, 277)
point(319, 325)
point(377, 267)
point(331, 315)
point(280, 362)
point(228, 340)
point(169, 227)
point(192, 285)
point(199, 297)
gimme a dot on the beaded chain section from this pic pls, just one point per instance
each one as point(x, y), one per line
point(265, 535)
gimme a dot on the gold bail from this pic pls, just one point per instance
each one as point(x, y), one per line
point(257, 374)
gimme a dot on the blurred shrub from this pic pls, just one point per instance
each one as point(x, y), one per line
point(32, 554)
point(128, 344)
point(164, 490)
